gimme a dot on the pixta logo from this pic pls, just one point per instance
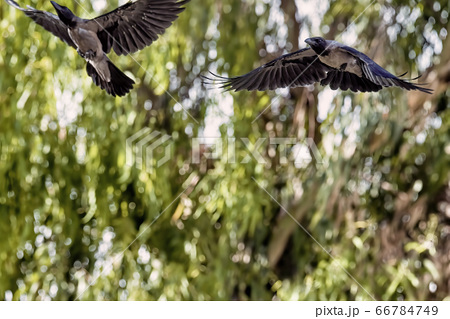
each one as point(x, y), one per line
point(144, 149)
point(260, 151)
point(148, 149)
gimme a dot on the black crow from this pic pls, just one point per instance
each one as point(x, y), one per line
point(127, 29)
point(327, 62)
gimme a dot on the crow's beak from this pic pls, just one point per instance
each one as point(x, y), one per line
point(56, 6)
point(309, 41)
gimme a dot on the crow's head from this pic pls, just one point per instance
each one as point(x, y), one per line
point(318, 44)
point(64, 14)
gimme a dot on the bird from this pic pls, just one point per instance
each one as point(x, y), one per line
point(127, 29)
point(326, 61)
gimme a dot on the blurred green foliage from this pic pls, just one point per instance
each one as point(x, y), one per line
point(78, 223)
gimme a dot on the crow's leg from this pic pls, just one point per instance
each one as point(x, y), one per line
point(343, 67)
point(89, 54)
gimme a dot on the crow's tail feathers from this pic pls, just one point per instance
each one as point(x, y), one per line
point(119, 85)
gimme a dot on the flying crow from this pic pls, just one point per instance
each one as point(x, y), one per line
point(328, 62)
point(126, 30)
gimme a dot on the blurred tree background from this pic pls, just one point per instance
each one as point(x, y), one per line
point(76, 222)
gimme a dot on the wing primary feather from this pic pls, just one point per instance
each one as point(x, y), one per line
point(152, 17)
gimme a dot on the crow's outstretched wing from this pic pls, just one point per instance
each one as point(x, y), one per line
point(373, 77)
point(47, 20)
point(300, 68)
point(135, 25)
